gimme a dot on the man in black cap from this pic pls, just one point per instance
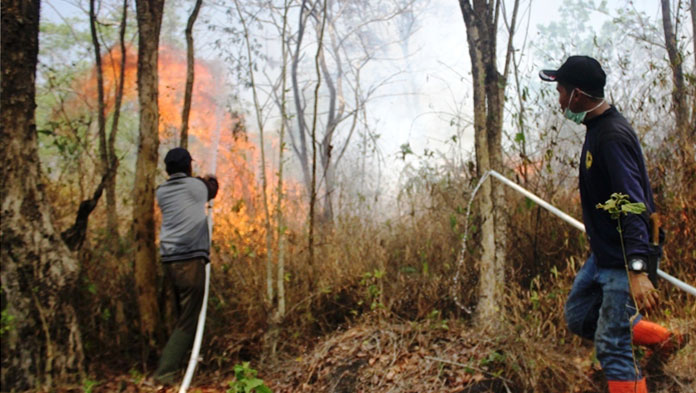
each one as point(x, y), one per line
point(600, 306)
point(185, 249)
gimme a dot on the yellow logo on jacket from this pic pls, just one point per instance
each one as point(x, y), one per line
point(588, 160)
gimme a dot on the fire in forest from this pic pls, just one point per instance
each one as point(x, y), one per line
point(217, 141)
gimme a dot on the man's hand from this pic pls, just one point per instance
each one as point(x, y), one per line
point(211, 183)
point(644, 293)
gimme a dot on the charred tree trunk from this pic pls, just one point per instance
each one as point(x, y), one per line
point(74, 236)
point(43, 344)
point(190, 73)
point(149, 16)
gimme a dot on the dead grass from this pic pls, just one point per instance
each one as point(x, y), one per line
point(376, 312)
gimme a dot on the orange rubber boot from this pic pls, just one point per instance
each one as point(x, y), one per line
point(661, 343)
point(649, 333)
point(628, 386)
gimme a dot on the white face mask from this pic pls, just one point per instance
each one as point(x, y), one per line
point(578, 117)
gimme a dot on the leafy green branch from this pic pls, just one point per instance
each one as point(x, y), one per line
point(619, 204)
point(246, 381)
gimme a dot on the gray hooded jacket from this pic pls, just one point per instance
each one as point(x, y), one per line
point(184, 232)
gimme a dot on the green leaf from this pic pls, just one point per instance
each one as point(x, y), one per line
point(254, 383)
point(633, 208)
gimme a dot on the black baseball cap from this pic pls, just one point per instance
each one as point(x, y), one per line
point(177, 159)
point(582, 72)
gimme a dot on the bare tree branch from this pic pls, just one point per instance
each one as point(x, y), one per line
point(190, 75)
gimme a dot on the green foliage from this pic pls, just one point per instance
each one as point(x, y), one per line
point(6, 322)
point(373, 288)
point(436, 320)
point(494, 359)
point(619, 204)
point(246, 381)
point(106, 314)
point(88, 385)
point(90, 286)
point(136, 375)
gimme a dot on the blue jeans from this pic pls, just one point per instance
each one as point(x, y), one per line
point(599, 308)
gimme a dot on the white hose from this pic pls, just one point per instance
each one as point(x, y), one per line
point(199, 336)
point(195, 351)
point(577, 224)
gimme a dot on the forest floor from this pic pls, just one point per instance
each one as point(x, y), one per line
point(436, 356)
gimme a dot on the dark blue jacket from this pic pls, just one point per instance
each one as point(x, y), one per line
point(612, 161)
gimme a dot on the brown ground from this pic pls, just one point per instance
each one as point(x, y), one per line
point(436, 356)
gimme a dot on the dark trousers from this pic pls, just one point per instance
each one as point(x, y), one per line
point(188, 278)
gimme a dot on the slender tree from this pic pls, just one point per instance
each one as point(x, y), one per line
point(190, 74)
point(264, 179)
point(313, 134)
point(101, 115)
point(693, 31)
point(42, 344)
point(111, 205)
point(75, 235)
point(481, 20)
point(280, 222)
point(348, 46)
point(149, 16)
point(685, 123)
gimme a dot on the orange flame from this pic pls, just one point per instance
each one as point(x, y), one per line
point(239, 212)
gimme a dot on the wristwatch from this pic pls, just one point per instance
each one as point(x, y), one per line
point(637, 265)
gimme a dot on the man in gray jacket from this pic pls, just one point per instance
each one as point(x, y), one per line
point(185, 249)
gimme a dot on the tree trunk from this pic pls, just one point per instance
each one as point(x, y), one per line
point(693, 31)
point(101, 117)
point(111, 205)
point(264, 178)
point(679, 99)
point(75, 236)
point(43, 344)
point(190, 73)
point(685, 119)
point(149, 15)
point(280, 222)
point(693, 84)
point(313, 131)
point(333, 117)
point(481, 27)
point(299, 141)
